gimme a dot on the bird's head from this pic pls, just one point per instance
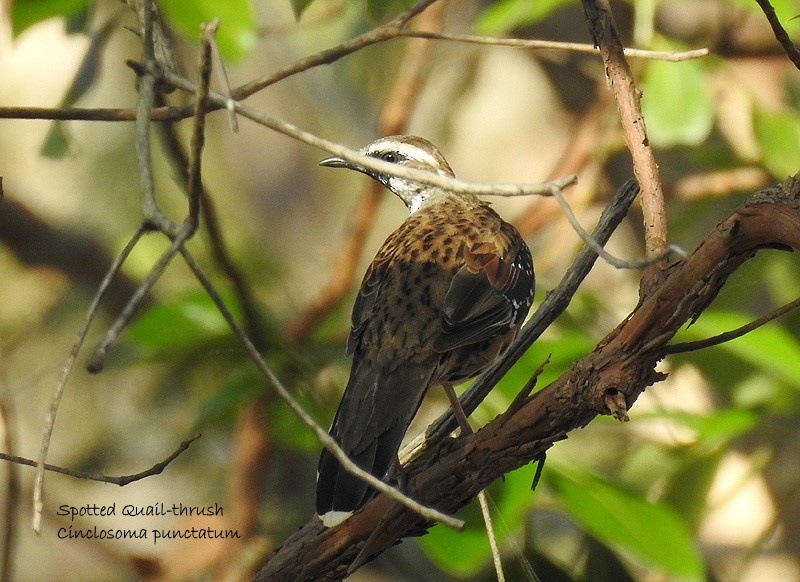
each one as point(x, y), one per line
point(404, 150)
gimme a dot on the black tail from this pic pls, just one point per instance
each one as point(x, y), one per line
point(369, 425)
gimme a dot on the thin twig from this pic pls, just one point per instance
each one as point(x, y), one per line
point(324, 438)
point(780, 33)
point(495, 549)
point(608, 257)
point(576, 47)
point(430, 178)
point(120, 480)
point(620, 78)
point(733, 334)
point(150, 208)
point(11, 505)
point(222, 73)
point(388, 31)
point(219, 250)
point(466, 429)
point(58, 391)
point(194, 183)
point(96, 361)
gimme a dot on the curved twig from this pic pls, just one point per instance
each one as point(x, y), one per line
point(120, 480)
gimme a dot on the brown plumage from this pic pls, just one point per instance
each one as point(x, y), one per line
point(442, 300)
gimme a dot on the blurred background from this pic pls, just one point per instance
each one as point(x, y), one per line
point(700, 485)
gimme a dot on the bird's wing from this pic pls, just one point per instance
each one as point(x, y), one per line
point(490, 293)
point(365, 303)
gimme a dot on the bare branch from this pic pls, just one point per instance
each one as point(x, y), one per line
point(608, 257)
point(11, 504)
point(780, 33)
point(733, 334)
point(675, 56)
point(601, 23)
point(58, 391)
point(388, 31)
point(120, 480)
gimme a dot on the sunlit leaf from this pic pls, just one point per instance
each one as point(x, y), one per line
point(778, 137)
point(770, 348)
point(237, 30)
point(505, 15)
point(182, 322)
point(25, 13)
point(652, 532)
point(719, 424)
point(676, 102)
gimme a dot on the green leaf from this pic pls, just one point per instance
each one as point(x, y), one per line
point(676, 103)
point(778, 137)
point(687, 489)
point(563, 350)
point(287, 429)
point(380, 10)
point(465, 553)
point(717, 425)
point(237, 30)
point(505, 15)
point(183, 322)
point(299, 6)
point(26, 13)
point(652, 532)
point(242, 385)
point(770, 348)
point(56, 142)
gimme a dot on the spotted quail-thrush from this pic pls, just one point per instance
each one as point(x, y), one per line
point(441, 302)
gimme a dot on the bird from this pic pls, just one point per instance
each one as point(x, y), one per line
point(441, 302)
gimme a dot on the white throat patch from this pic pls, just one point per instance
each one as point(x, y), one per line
point(416, 203)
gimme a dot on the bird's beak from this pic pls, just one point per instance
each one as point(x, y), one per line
point(335, 162)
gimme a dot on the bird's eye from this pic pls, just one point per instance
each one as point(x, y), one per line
point(390, 157)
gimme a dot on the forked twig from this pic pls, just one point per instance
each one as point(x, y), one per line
point(58, 390)
point(732, 334)
point(120, 480)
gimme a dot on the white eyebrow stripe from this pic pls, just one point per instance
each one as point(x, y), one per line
point(406, 150)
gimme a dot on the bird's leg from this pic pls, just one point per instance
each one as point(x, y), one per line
point(458, 411)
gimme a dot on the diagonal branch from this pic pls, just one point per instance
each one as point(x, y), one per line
point(388, 31)
point(780, 33)
point(628, 96)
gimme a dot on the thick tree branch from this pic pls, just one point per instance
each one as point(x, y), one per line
point(621, 366)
